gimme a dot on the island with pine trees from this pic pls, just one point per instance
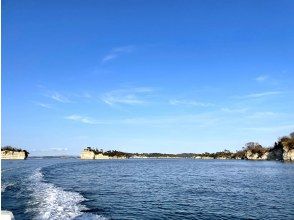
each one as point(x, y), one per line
point(282, 150)
point(12, 153)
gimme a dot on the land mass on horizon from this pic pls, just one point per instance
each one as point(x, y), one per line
point(282, 150)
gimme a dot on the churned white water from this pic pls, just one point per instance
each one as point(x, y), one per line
point(54, 203)
point(5, 185)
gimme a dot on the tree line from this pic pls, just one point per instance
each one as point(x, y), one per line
point(254, 147)
point(15, 149)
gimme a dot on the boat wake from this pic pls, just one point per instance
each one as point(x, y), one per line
point(5, 185)
point(52, 202)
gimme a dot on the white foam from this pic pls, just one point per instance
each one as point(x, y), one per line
point(52, 202)
point(5, 185)
point(4, 170)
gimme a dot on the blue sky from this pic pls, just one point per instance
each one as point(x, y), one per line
point(146, 76)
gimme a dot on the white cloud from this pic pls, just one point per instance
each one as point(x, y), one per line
point(130, 99)
point(115, 52)
point(258, 95)
point(58, 149)
point(130, 96)
point(200, 120)
point(261, 78)
point(261, 115)
point(109, 57)
point(189, 102)
point(58, 97)
point(54, 95)
point(287, 128)
point(234, 110)
point(82, 119)
point(261, 94)
point(43, 105)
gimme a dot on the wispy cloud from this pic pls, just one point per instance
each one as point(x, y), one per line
point(82, 119)
point(189, 103)
point(263, 94)
point(109, 57)
point(259, 95)
point(199, 120)
point(261, 78)
point(130, 99)
point(43, 105)
point(234, 110)
point(115, 52)
point(58, 97)
point(58, 149)
point(263, 115)
point(52, 94)
point(287, 128)
point(130, 96)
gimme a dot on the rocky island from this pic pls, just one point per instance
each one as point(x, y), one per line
point(95, 154)
point(11, 153)
point(282, 150)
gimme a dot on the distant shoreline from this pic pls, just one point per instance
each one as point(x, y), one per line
point(283, 150)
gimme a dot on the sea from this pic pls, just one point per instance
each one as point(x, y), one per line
point(147, 189)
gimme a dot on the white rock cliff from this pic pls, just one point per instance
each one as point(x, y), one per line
point(13, 155)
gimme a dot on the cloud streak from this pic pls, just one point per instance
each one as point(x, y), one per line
point(259, 95)
point(82, 119)
point(43, 105)
point(131, 96)
point(261, 78)
point(200, 120)
point(262, 94)
point(189, 103)
point(58, 97)
point(58, 149)
point(116, 52)
point(234, 110)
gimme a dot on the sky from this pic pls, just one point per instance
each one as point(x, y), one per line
point(146, 76)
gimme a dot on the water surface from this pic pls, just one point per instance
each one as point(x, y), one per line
point(148, 189)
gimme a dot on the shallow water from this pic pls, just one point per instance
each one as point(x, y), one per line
point(148, 189)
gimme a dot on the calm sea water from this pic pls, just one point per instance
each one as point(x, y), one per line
point(147, 189)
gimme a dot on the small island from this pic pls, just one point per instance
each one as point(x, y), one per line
point(12, 153)
point(282, 150)
point(95, 154)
